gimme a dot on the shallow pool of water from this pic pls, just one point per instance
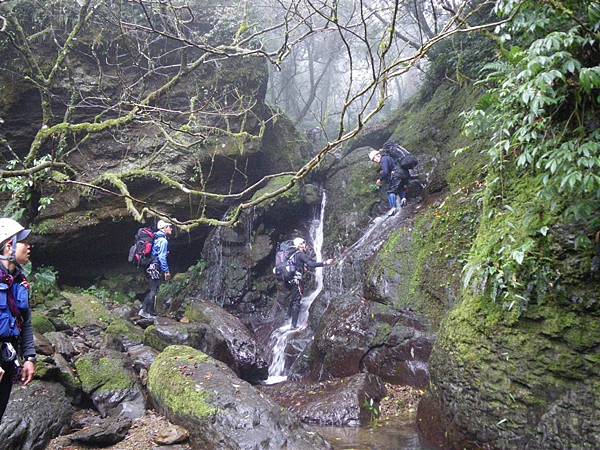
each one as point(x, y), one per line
point(398, 433)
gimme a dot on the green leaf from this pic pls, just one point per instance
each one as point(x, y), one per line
point(518, 256)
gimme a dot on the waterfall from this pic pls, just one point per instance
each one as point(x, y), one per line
point(279, 338)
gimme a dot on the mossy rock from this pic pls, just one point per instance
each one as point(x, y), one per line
point(120, 332)
point(168, 383)
point(291, 197)
point(152, 339)
point(41, 323)
point(86, 310)
point(103, 371)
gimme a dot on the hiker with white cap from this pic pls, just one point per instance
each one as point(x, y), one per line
point(16, 330)
point(158, 267)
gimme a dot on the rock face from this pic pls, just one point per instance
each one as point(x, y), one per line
point(215, 332)
point(220, 162)
point(342, 402)
point(34, 416)
point(219, 410)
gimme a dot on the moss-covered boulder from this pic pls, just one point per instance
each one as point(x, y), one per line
point(108, 380)
point(220, 410)
point(41, 323)
point(86, 311)
point(121, 334)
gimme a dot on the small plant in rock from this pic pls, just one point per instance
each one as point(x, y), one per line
point(373, 408)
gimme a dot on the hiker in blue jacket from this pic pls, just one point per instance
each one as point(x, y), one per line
point(395, 176)
point(16, 330)
point(158, 268)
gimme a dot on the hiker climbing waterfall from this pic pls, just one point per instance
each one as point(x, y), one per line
point(279, 338)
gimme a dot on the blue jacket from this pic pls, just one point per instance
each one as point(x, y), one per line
point(8, 323)
point(387, 167)
point(160, 250)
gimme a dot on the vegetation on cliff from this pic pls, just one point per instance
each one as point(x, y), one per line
point(522, 343)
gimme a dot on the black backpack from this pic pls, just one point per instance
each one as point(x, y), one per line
point(285, 261)
point(400, 155)
point(140, 253)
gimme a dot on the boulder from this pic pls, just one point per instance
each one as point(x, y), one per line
point(356, 335)
point(104, 432)
point(105, 376)
point(215, 332)
point(62, 343)
point(35, 414)
point(42, 345)
point(221, 411)
point(350, 401)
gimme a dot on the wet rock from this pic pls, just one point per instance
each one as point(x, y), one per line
point(62, 343)
point(103, 433)
point(35, 414)
point(171, 435)
point(215, 332)
point(59, 324)
point(220, 411)
point(42, 345)
point(348, 401)
point(356, 335)
point(105, 376)
point(403, 357)
point(142, 356)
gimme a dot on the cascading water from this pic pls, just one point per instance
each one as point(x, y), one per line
point(279, 338)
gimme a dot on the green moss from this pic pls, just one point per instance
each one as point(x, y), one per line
point(152, 339)
point(41, 323)
point(122, 328)
point(291, 196)
point(102, 374)
point(86, 310)
point(382, 333)
point(169, 384)
point(194, 313)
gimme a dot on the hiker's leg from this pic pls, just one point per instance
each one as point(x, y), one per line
point(392, 199)
point(154, 285)
point(6, 386)
point(295, 306)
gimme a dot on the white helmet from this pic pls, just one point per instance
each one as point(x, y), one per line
point(11, 228)
point(162, 224)
point(373, 154)
point(299, 241)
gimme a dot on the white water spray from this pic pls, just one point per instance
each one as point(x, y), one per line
point(279, 338)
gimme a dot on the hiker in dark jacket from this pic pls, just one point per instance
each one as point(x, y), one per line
point(158, 268)
point(395, 176)
point(16, 330)
point(295, 285)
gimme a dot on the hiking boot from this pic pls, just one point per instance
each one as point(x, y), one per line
point(146, 315)
point(402, 202)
